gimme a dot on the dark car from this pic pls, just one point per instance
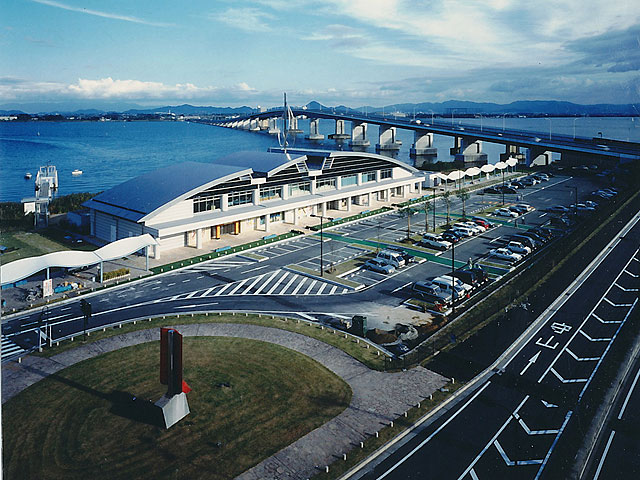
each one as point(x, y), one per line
point(476, 276)
point(517, 183)
point(528, 241)
point(431, 293)
point(507, 189)
point(491, 190)
point(543, 232)
point(406, 255)
point(535, 236)
point(450, 237)
point(519, 210)
point(558, 209)
point(529, 181)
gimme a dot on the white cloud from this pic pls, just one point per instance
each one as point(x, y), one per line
point(98, 13)
point(248, 19)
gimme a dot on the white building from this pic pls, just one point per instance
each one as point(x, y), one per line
point(190, 204)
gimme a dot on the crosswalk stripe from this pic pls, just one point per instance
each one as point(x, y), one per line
point(295, 291)
point(258, 278)
point(207, 292)
point(321, 289)
point(345, 290)
point(238, 286)
point(310, 287)
point(286, 287)
point(9, 348)
point(267, 282)
point(224, 287)
point(282, 277)
point(333, 290)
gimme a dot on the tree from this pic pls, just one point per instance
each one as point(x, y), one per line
point(463, 195)
point(407, 212)
point(427, 207)
point(446, 197)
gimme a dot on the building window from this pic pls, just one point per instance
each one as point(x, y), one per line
point(349, 180)
point(206, 203)
point(369, 177)
point(324, 184)
point(301, 188)
point(276, 217)
point(386, 173)
point(270, 193)
point(240, 198)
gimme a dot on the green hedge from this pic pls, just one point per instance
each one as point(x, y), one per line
point(340, 221)
point(121, 272)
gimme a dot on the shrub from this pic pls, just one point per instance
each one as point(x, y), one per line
point(115, 273)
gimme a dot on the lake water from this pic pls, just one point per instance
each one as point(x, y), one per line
point(109, 153)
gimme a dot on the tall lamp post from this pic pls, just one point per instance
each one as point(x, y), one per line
point(434, 209)
point(322, 219)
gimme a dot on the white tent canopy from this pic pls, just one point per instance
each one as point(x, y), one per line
point(487, 168)
point(25, 267)
point(512, 162)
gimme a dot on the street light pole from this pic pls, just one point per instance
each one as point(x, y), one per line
point(453, 269)
point(434, 209)
point(322, 218)
point(503, 187)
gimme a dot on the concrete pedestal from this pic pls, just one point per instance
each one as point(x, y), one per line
point(174, 408)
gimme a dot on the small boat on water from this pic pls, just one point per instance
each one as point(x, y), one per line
point(76, 172)
point(28, 176)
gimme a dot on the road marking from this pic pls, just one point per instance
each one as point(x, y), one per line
point(548, 405)
point(400, 288)
point(187, 280)
point(299, 286)
point(494, 438)
point(570, 380)
point(629, 273)
point(267, 282)
point(333, 290)
point(533, 432)
point(616, 304)
point(511, 463)
point(581, 359)
point(254, 269)
point(238, 286)
point(626, 289)
point(585, 335)
point(65, 308)
point(531, 361)
point(472, 472)
point(154, 288)
point(553, 445)
point(286, 287)
point(313, 283)
point(186, 306)
point(207, 292)
point(321, 289)
point(170, 284)
point(626, 400)
point(201, 276)
point(440, 428)
point(191, 294)
point(258, 278)
point(604, 455)
point(286, 274)
point(308, 317)
point(605, 321)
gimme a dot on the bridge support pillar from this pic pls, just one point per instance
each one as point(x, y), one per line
point(340, 131)
point(513, 151)
point(254, 125)
point(314, 130)
point(263, 123)
point(469, 150)
point(422, 145)
point(273, 127)
point(359, 134)
point(293, 125)
point(387, 139)
point(538, 156)
point(245, 124)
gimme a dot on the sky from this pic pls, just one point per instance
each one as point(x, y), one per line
point(83, 53)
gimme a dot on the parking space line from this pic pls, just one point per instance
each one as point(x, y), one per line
point(629, 273)
point(299, 286)
point(604, 455)
point(400, 288)
point(585, 335)
point(605, 321)
point(581, 359)
point(616, 304)
point(626, 289)
point(565, 380)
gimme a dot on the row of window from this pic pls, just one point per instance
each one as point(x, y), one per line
point(213, 202)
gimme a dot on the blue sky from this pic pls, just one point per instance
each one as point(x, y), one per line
point(352, 52)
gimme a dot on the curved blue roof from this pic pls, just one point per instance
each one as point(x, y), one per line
point(142, 195)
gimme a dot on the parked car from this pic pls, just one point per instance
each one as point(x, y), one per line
point(476, 276)
point(581, 207)
point(530, 181)
point(408, 258)
point(475, 225)
point(392, 258)
point(435, 241)
point(379, 266)
point(451, 237)
point(517, 183)
point(482, 221)
point(541, 176)
point(528, 241)
point(505, 254)
point(491, 190)
point(456, 281)
point(558, 209)
point(517, 247)
point(463, 231)
point(589, 203)
point(507, 189)
point(450, 287)
point(505, 212)
point(543, 232)
point(475, 230)
point(526, 206)
point(517, 209)
point(537, 238)
point(610, 191)
point(432, 293)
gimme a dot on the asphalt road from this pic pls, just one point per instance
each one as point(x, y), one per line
point(236, 283)
point(509, 425)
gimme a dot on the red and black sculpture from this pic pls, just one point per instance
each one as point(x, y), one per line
point(174, 403)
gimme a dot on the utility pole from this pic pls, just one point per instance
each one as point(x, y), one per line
point(453, 269)
point(434, 209)
point(322, 218)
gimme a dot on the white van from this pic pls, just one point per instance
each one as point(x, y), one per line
point(456, 281)
point(450, 287)
point(435, 241)
point(391, 258)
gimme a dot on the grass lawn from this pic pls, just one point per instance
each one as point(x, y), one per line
point(79, 423)
point(28, 244)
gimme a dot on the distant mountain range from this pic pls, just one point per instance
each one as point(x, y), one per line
point(457, 107)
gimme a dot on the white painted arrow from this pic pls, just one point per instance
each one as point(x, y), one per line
point(532, 360)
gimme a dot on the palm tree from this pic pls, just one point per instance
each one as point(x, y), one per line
point(427, 207)
point(446, 196)
point(463, 195)
point(408, 212)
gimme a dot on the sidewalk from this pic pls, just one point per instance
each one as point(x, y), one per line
point(378, 397)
